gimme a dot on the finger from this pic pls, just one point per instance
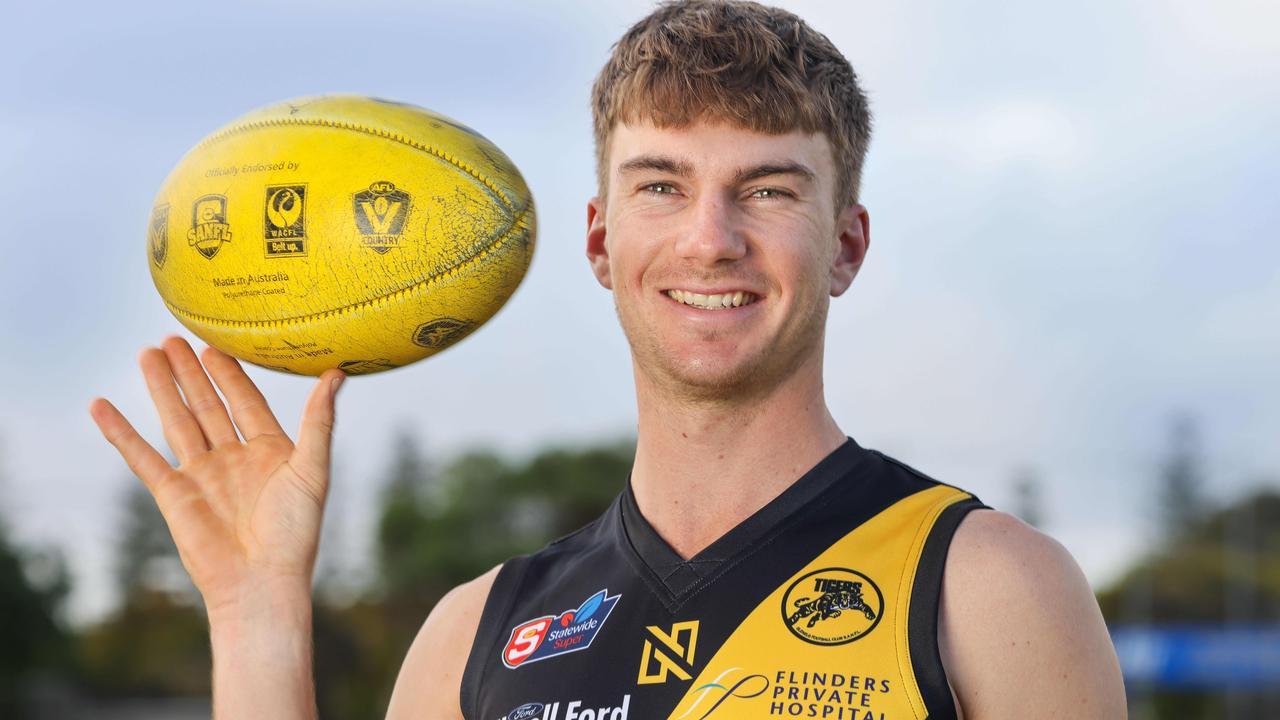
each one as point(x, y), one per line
point(177, 497)
point(145, 462)
point(180, 426)
point(249, 408)
point(311, 454)
point(199, 393)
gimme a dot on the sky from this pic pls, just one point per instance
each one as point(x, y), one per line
point(1073, 212)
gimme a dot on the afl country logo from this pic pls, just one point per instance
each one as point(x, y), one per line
point(158, 234)
point(209, 228)
point(284, 220)
point(380, 213)
point(832, 606)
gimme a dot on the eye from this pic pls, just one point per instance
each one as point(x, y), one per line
point(771, 193)
point(659, 188)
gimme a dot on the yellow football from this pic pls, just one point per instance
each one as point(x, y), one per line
point(339, 231)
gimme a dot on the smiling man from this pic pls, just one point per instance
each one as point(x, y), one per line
point(760, 563)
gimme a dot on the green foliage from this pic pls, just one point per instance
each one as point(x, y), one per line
point(441, 527)
point(153, 645)
point(438, 526)
point(441, 530)
point(1181, 480)
point(147, 559)
point(156, 643)
point(1228, 561)
point(33, 586)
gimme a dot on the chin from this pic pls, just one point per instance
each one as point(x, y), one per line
point(709, 377)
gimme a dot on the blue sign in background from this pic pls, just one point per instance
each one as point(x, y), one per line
point(1239, 656)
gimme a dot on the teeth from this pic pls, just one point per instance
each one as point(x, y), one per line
point(712, 302)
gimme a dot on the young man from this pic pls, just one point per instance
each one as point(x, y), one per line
point(760, 564)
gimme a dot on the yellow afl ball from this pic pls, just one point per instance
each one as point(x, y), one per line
point(339, 231)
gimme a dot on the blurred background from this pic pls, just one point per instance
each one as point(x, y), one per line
point(1071, 307)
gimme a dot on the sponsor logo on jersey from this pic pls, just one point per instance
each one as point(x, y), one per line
point(209, 228)
point(789, 693)
point(572, 711)
point(729, 684)
point(668, 653)
point(527, 711)
point(832, 606)
point(552, 635)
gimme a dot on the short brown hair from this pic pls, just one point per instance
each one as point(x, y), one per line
point(758, 67)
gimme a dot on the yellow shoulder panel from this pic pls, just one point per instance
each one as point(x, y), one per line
point(832, 641)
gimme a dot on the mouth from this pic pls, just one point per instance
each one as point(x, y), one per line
point(716, 301)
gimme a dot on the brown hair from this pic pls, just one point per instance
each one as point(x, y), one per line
point(757, 67)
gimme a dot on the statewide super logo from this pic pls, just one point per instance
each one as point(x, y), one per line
point(832, 606)
point(552, 635)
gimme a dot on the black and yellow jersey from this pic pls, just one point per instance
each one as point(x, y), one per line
point(823, 604)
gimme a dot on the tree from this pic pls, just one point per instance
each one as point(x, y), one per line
point(439, 528)
point(34, 584)
point(1181, 479)
point(147, 559)
point(410, 483)
point(156, 640)
point(1209, 574)
point(1027, 497)
point(1189, 577)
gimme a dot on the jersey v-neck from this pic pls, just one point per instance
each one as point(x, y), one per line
point(681, 578)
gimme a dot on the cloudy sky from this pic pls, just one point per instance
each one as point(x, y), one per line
point(1073, 212)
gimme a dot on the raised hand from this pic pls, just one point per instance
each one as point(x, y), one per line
point(244, 509)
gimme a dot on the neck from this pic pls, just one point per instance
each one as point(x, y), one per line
point(704, 465)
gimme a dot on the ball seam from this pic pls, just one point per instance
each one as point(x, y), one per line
point(386, 134)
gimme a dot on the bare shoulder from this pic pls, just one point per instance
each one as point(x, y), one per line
point(1020, 632)
point(431, 677)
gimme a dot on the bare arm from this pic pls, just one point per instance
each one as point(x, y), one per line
point(1020, 631)
point(431, 678)
point(262, 655)
point(244, 506)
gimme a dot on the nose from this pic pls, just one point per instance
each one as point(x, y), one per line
point(712, 234)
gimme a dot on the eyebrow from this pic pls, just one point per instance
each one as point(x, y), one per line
point(774, 168)
point(660, 163)
point(683, 168)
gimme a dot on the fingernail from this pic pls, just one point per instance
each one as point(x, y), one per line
point(333, 387)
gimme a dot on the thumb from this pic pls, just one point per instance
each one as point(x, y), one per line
point(316, 431)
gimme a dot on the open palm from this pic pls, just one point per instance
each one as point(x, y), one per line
point(244, 509)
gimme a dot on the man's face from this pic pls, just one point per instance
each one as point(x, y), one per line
point(722, 247)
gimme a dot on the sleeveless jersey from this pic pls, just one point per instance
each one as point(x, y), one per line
point(822, 604)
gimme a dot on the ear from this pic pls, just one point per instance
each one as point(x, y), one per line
point(852, 241)
point(597, 248)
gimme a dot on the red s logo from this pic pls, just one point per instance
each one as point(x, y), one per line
point(525, 639)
